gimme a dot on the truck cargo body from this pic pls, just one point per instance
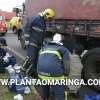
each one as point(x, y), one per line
point(66, 9)
point(79, 18)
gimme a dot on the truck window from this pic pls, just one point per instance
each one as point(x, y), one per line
point(1, 18)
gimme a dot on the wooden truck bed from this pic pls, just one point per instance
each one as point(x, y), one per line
point(78, 17)
point(66, 9)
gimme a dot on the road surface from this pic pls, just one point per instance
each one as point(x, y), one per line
point(14, 46)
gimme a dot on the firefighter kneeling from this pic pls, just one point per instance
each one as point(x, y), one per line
point(53, 63)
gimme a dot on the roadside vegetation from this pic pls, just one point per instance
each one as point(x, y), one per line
point(5, 94)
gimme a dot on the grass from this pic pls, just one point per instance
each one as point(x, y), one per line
point(5, 94)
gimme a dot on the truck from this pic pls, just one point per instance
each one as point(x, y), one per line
point(3, 26)
point(79, 22)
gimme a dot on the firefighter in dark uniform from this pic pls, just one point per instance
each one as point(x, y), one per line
point(53, 63)
point(37, 28)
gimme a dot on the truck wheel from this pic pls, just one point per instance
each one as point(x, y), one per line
point(91, 69)
point(22, 40)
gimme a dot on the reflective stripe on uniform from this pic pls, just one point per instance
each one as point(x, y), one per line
point(37, 29)
point(52, 52)
point(33, 44)
point(65, 95)
point(27, 35)
point(51, 78)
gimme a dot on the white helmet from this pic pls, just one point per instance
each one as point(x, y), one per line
point(57, 37)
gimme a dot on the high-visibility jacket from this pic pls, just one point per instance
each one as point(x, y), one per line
point(53, 60)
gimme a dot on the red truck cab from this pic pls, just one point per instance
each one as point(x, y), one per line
point(3, 26)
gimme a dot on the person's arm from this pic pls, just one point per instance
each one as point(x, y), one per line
point(66, 62)
point(37, 24)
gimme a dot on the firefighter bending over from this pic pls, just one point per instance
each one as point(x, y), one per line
point(53, 63)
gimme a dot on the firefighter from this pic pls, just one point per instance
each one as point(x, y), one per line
point(53, 63)
point(37, 27)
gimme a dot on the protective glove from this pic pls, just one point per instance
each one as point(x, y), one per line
point(6, 58)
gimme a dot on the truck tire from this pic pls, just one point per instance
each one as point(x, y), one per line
point(91, 69)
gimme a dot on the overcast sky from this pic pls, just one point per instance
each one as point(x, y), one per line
point(8, 5)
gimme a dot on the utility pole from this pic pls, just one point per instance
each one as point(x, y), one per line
point(18, 10)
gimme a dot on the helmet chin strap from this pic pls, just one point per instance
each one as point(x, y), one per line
point(43, 15)
point(58, 42)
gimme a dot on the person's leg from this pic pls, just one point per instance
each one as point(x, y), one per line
point(30, 64)
point(32, 52)
point(19, 34)
point(44, 92)
point(59, 92)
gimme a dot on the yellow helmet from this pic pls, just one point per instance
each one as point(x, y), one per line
point(48, 13)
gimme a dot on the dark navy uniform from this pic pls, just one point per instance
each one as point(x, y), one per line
point(37, 28)
point(36, 33)
point(53, 63)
